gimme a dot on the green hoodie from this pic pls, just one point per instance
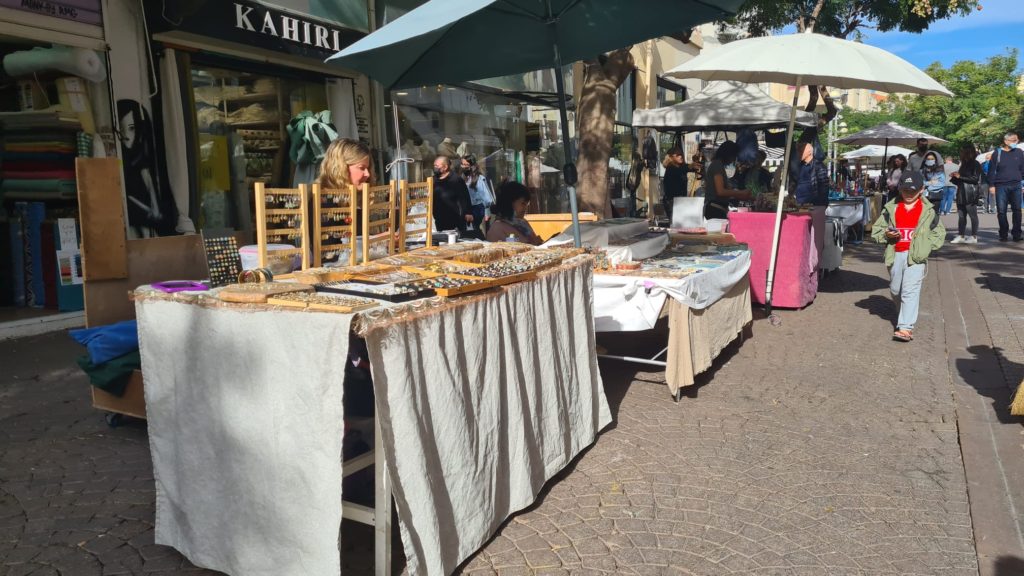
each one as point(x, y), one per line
point(929, 235)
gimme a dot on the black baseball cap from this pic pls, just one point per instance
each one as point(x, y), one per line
point(913, 180)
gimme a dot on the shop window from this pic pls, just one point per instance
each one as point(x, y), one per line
point(669, 93)
point(511, 139)
point(241, 119)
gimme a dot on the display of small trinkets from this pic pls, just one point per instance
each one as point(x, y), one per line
point(222, 259)
point(448, 267)
point(389, 277)
point(407, 259)
point(514, 266)
point(389, 292)
point(378, 226)
point(449, 285)
point(325, 302)
point(415, 207)
point(482, 256)
point(281, 215)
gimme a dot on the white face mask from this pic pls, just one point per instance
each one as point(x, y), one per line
point(929, 162)
point(730, 170)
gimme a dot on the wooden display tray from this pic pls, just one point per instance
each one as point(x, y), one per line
point(258, 293)
point(504, 280)
point(320, 275)
point(482, 284)
point(394, 298)
point(314, 301)
point(375, 278)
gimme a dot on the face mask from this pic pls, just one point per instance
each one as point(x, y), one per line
point(730, 170)
point(437, 171)
point(929, 162)
point(922, 148)
point(467, 171)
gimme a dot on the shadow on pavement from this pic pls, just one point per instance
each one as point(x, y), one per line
point(1009, 566)
point(1009, 285)
point(851, 281)
point(985, 373)
point(879, 306)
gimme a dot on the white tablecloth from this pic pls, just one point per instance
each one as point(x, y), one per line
point(601, 233)
point(623, 303)
point(851, 212)
point(479, 406)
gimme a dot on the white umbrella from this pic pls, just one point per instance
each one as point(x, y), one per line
point(876, 152)
point(806, 59)
point(722, 106)
point(888, 133)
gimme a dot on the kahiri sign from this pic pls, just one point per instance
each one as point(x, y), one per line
point(263, 20)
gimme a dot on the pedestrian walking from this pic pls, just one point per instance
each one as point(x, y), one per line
point(1005, 177)
point(950, 195)
point(481, 193)
point(968, 180)
point(895, 167)
point(934, 178)
point(911, 229)
point(673, 183)
point(916, 158)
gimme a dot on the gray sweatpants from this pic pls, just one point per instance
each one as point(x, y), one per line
point(905, 287)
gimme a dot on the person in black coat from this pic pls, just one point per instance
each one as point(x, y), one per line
point(673, 185)
point(969, 180)
point(452, 207)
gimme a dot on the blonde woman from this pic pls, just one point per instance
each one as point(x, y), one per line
point(346, 163)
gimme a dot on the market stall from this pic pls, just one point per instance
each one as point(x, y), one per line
point(480, 400)
point(796, 279)
point(699, 281)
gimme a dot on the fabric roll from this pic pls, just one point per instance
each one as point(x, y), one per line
point(175, 140)
point(80, 62)
point(343, 109)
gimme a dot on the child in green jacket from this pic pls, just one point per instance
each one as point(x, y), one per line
point(911, 229)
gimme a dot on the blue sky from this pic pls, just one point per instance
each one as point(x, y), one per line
point(990, 31)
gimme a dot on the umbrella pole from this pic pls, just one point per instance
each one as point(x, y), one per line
point(885, 172)
point(783, 192)
point(569, 170)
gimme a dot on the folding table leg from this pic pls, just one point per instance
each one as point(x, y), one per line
point(382, 506)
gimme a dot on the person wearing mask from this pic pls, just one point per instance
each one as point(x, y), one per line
point(935, 178)
point(673, 183)
point(756, 178)
point(481, 194)
point(452, 207)
point(910, 229)
point(916, 158)
point(968, 180)
point(509, 216)
point(718, 192)
point(897, 164)
point(950, 193)
point(1005, 178)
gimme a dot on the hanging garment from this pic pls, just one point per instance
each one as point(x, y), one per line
point(310, 135)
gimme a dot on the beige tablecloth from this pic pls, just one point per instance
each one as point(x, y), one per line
point(697, 337)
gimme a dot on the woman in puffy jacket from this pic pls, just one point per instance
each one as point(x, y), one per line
point(969, 182)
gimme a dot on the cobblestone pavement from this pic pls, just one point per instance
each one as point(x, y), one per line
point(816, 447)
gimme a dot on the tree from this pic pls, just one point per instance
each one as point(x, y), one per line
point(846, 18)
point(601, 79)
point(985, 105)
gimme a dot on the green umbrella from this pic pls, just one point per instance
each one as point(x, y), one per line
point(449, 41)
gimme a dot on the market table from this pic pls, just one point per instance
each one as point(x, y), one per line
point(480, 400)
point(852, 212)
point(706, 311)
point(796, 279)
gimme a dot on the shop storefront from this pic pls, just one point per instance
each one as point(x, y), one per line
point(55, 106)
point(231, 76)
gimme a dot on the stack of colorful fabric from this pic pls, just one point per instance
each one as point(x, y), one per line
point(39, 165)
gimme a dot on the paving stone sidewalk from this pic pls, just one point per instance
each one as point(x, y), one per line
point(817, 447)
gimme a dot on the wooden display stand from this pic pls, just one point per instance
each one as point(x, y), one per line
point(343, 205)
point(378, 218)
point(415, 194)
point(264, 233)
point(114, 266)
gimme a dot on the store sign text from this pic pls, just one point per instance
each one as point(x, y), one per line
point(86, 12)
point(287, 28)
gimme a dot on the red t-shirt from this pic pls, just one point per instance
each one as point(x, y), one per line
point(906, 223)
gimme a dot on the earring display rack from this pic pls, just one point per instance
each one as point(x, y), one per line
point(281, 214)
point(416, 194)
point(378, 219)
point(334, 226)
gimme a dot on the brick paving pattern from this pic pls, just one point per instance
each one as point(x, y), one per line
point(817, 447)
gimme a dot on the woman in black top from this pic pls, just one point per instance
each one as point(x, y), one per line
point(968, 180)
point(673, 185)
point(718, 190)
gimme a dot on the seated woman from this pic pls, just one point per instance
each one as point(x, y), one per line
point(513, 201)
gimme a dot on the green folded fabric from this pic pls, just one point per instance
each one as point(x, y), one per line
point(47, 185)
point(112, 376)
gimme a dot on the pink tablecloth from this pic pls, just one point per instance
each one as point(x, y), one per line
point(796, 282)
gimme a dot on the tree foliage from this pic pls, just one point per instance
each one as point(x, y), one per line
point(847, 18)
point(985, 105)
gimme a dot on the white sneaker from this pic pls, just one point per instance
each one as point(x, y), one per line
point(958, 240)
point(971, 240)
